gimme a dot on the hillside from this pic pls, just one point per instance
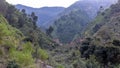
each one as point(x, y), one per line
point(110, 30)
point(96, 24)
point(75, 18)
point(69, 25)
point(45, 14)
point(11, 41)
point(103, 38)
point(98, 49)
point(96, 41)
point(22, 44)
point(104, 23)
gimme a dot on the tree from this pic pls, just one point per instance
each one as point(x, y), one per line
point(24, 12)
point(21, 21)
point(49, 31)
point(116, 42)
point(32, 14)
point(34, 19)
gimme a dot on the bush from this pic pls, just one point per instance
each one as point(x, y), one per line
point(116, 42)
point(23, 59)
point(92, 63)
point(42, 54)
point(27, 47)
point(60, 66)
point(103, 55)
point(12, 64)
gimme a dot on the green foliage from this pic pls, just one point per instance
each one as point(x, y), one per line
point(27, 48)
point(12, 64)
point(43, 55)
point(49, 31)
point(60, 66)
point(92, 63)
point(11, 39)
point(22, 58)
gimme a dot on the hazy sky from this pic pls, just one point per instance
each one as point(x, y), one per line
point(41, 3)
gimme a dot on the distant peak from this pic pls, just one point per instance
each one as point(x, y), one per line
point(20, 5)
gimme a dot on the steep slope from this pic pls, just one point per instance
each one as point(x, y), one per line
point(27, 25)
point(111, 29)
point(106, 22)
point(22, 44)
point(96, 24)
point(70, 25)
point(73, 25)
point(45, 14)
point(12, 48)
point(103, 41)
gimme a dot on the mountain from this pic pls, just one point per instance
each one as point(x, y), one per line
point(103, 38)
point(21, 41)
point(23, 45)
point(102, 21)
point(96, 24)
point(99, 50)
point(67, 26)
point(109, 30)
point(13, 48)
point(45, 14)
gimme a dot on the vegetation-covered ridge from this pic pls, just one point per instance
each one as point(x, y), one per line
point(104, 38)
point(22, 44)
point(100, 45)
point(12, 47)
point(16, 51)
point(72, 22)
point(67, 26)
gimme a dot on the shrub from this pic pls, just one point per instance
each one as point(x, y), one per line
point(42, 54)
point(23, 59)
point(60, 66)
point(12, 64)
point(116, 42)
point(27, 47)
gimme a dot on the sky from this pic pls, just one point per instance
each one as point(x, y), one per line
point(42, 3)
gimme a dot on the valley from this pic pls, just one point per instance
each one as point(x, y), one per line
point(84, 35)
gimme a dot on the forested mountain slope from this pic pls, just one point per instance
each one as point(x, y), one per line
point(74, 19)
point(12, 47)
point(100, 48)
point(111, 29)
point(69, 25)
point(103, 38)
point(106, 22)
point(22, 44)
